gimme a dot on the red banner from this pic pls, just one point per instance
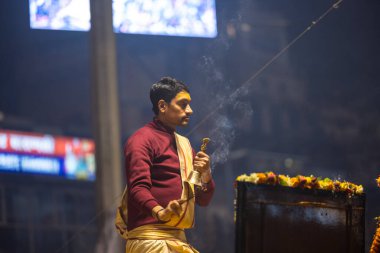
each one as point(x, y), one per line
point(42, 144)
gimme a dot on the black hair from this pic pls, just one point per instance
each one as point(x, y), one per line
point(167, 88)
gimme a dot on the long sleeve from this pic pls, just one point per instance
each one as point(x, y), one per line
point(138, 164)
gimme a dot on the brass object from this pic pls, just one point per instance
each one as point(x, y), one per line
point(195, 176)
point(205, 141)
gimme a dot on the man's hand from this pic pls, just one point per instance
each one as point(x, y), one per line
point(165, 214)
point(202, 164)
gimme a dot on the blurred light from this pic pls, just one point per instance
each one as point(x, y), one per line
point(289, 163)
point(231, 31)
point(245, 27)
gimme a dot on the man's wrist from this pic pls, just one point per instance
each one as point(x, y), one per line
point(206, 176)
point(156, 214)
point(155, 211)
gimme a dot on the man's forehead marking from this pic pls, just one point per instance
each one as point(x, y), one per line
point(183, 95)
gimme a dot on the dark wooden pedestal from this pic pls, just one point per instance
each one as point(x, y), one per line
point(284, 219)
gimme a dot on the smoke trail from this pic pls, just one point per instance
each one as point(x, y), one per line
point(222, 135)
point(227, 122)
point(245, 111)
point(213, 75)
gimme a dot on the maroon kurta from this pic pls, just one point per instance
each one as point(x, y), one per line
point(153, 173)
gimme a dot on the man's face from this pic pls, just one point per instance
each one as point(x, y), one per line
point(178, 112)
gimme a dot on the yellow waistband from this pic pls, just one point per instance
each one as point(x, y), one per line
point(157, 232)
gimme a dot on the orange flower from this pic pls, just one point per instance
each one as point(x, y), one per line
point(262, 178)
point(294, 182)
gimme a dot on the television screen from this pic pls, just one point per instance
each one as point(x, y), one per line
point(71, 15)
point(191, 18)
point(35, 153)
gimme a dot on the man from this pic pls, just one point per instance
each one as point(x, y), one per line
point(159, 201)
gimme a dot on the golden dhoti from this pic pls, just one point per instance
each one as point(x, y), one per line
point(157, 238)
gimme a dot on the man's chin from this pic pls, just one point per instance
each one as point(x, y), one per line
point(185, 122)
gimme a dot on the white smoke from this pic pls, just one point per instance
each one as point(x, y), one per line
point(230, 111)
point(222, 136)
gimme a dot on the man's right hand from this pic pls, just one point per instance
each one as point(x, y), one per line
point(165, 214)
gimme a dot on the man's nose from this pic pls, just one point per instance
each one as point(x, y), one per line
point(188, 110)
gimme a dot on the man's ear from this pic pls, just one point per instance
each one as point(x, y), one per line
point(162, 106)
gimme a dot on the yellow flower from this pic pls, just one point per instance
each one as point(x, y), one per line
point(284, 180)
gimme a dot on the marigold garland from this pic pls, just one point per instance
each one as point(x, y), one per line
point(308, 182)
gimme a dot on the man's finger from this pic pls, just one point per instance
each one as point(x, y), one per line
point(201, 154)
point(205, 160)
point(199, 164)
point(165, 215)
point(178, 207)
point(181, 201)
point(175, 207)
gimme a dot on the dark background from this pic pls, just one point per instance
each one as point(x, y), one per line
point(314, 110)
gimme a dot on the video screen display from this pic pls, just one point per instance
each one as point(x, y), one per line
point(193, 18)
point(70, 15)
point(190, 18)
point(72, 158)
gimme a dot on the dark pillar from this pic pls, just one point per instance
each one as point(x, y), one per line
point(105, 113)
